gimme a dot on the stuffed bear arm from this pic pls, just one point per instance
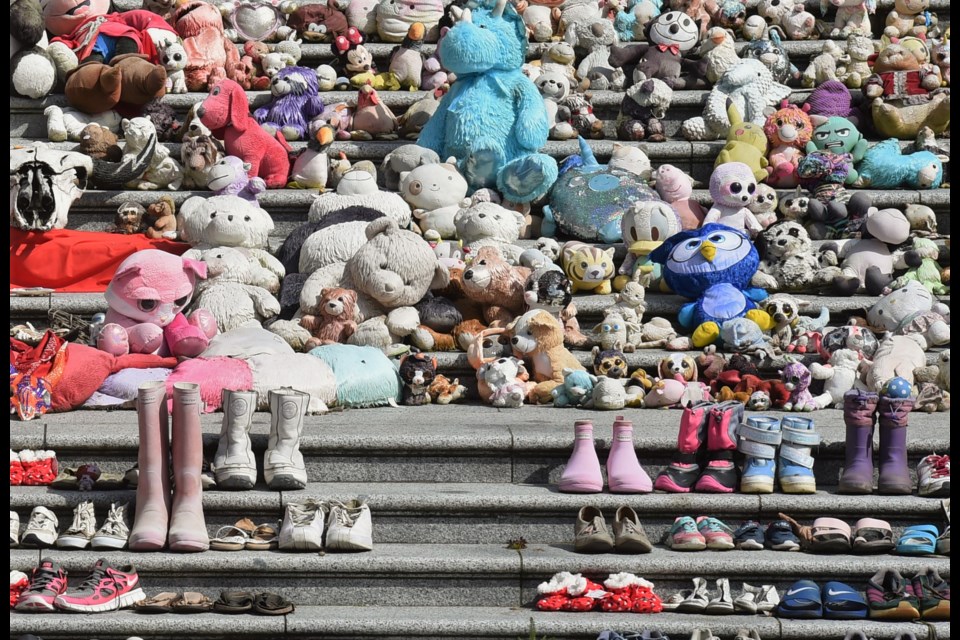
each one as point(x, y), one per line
point(821, 371)
point(265, 304)
point(260, 115)
point(530, 131)
point(271, 263)
point(403, 321)
point(764, 280)
point(313, 107)
point(309, 322)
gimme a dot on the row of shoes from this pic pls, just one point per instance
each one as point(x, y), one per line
point(42, 529)
point(707, 532)
point(311, 525)
point(889, 596)
point(32, 468)
point(263, 603)
point(107, 588)
point(869, 535)
point(763, 599)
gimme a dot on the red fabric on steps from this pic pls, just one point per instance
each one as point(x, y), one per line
point(72, 261)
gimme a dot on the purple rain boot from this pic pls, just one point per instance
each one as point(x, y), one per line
point(893, 415)
point(859, 408)
point(681, 474)
point(582, 473)
point(720, 474)
point(624, 473)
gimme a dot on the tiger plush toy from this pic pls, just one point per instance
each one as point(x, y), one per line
point(589, 268)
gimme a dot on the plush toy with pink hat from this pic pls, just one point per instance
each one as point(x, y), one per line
point(146, 298)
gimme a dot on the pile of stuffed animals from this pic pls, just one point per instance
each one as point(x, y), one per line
point(426, 252)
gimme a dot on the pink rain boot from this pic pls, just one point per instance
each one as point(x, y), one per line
point(720, 474)
point(582, 473)
point(624, 473)
point(149, 531)
point(681, 474)
point(188, 530)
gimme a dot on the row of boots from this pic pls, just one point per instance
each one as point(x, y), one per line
point(862, 412)
point(173, 516)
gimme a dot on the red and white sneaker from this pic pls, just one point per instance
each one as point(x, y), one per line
point(47, 582)
point(107, 588)
point(16, 469)
point(18, 584)
point(933, 476)
point(39, 467)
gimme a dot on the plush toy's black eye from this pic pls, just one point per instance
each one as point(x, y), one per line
point(583, 265)
point(751, 188)
point(736, 187)
point(213, 215)
point(215, 91)
point(181, 301)
point(147, 305)
point(246, 218)
point(787, 309)
point(383, 265)
point(482, 262)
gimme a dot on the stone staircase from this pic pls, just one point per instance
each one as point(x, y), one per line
point(450, 486)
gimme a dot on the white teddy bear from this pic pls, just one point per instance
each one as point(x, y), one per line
point(233, 291)
point(486, 224)
point(174, 59)
point(434, 191)
point(503, 378)
point(840, 374)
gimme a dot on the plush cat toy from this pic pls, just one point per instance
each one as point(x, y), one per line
point(146, 297)
point(493, 119)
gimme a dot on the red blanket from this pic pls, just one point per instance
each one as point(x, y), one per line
point(74, 261)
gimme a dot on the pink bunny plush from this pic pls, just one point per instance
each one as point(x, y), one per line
point(146, 297)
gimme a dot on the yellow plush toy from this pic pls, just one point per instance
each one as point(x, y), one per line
point(746, 143)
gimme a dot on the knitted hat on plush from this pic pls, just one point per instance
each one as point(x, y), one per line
point(832, 98)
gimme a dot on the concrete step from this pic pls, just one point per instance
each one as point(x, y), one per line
point(463, 623)
point(493, 513)
point(449, 444)
point(461, 575)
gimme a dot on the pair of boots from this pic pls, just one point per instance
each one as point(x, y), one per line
point(234, 464)
point(781, 448)
point(159, 520)
point(624, 473)
point(861, 409)
point(707, 442)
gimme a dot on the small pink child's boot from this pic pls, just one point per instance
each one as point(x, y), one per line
point(624, 473)
point(582, 473)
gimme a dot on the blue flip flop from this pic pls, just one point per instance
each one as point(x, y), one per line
point(918, 540)
point(802, 600)
point(843, 602)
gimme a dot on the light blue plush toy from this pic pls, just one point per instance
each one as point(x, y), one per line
point(576, 389)
point(493, 119)
point(885, 167)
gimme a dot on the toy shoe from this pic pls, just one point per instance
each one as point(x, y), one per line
point(39, 467)
point(796, 465)
point(758, 440)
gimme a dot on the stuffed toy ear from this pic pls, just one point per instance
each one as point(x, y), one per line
point(127, 271)
point(238, 108)
point(196, 267)
point(381, 225)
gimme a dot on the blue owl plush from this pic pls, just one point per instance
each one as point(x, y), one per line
point(493, 119)
point(712, 266)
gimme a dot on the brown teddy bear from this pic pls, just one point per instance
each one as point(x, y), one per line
point(334, 321)
point(538, 338)
point(493, 282)
point(448, 320)
point(901, 90)
point(100, 143)
point(161, 219)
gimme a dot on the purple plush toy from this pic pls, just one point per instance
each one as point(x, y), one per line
point(832, 98)
point(229, 178)
point(796, 378)
point(295, 102)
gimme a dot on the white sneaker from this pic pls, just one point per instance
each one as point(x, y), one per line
point(14, 528)
point(302, 528)
point(41, 529)
point(84, 525)
point(115, 530)
point(933, 476)
point(351, 528)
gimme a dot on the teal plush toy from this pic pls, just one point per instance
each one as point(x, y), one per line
point(493, 120)
point(885, 167)
point(576, 388)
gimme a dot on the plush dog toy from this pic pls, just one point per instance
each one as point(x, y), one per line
point(227, 113)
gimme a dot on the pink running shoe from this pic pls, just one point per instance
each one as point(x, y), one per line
point(718, 536)
point(106, 589)
point(684, 536)
point(47, 582)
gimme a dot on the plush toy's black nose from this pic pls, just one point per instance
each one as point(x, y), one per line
point(468, 275)
point(230, 218)
point(674, 28)
point(481, 215)
point(515, 340)
point(200, 111)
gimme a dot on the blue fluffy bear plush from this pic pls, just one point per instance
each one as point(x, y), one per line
point(884, 167)
point(493, 119)
point(713, 266)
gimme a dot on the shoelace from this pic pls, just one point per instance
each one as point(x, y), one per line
point(95, 578)
point(303, 514)
point(595, 526)
point(115, 524)
point(42, 577)
point(82, 521)
point(713, 525)
point(685, 526)
point(346, 516)
point(941, 467)
point(41, 520)
point(629, 526)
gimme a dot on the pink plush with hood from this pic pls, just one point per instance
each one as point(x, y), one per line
point(676, 189)
point(211, 55)
point(146, 297)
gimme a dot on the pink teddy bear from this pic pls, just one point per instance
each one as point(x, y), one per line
point(146, 297)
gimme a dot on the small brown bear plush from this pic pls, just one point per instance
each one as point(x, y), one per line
point(334, 322)
point(417, 371)
point(161, 219)
point(100, 143)
point(129, 219)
